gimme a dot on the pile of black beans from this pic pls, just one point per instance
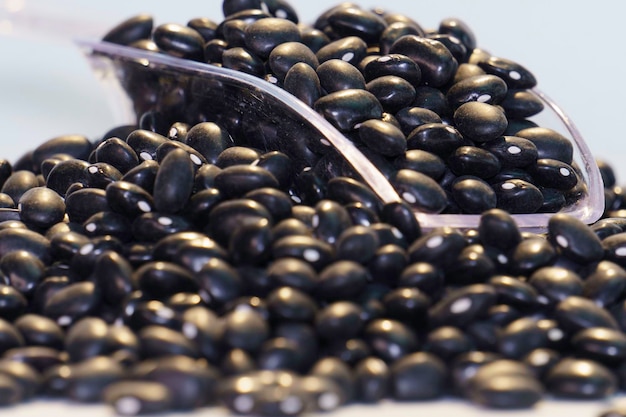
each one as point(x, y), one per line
point(448, 124)
point(166, 266)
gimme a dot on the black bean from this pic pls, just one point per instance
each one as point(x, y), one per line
point(287, 54)
point(438, 138)
point(471, 160)
point(338, 372)
point(303, 82)
point(87, 338)
point(130, 30)
point(72, 303)
point(245, 329)
point(191, 382)
point(130, 398)
point(341, 279)
point(580, 378)
point(434, 59)
point(237, 180)
point(550, 144)
point(346, 108)
point(481, 122)
point(504, 388)
point(337, 74)
point(463, 305)
point(393, 92)
point(514, 74)
point(160, 279)
point(576, 313)
point(390, 340)
point(11, 392)
point(518, 196)
point(473, 195)
point(227, 215)
point(158, 341)
point(486, 88)
point(418, 376)
point(351, 49)
point(143, 175)
point(419, 190)
point(23, 270)
point(179, 41)
point(531, 254)
point(574, 239)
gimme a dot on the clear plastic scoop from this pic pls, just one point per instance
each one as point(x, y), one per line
point(297, 124)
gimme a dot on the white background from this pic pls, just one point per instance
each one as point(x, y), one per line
point(575, 49)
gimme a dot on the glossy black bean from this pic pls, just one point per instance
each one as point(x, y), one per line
point(314, 38)
point(498, 229)
point(407, 305)
point(418, 376)
point(329, 221)
point(113, 275)
point(287, 54)
point(153, 226)
point(11, 391)
point(205, 329)
point(12, 302)
point(72, 302)
point(353, 21)
point(245, 329)
point(86, 338)
point(412, 117)
point(292, 272)
point(303, 82)
point(438, 138)
point(519, 104)
point(514, 292)
point(236, 155)
point(512, 151)
point(553, 174)
point(160, 279)
point(504, 390)
point(390, 340)
point(10, 337)
point(574, 239)
point(290, 304)
point(580, 378)
point(23, 270)
point(480, 121)
point(341, 280)
point(129, 199)
point(531, 254)
point(138, 397)
point(15, 239)
point(576, 313)
point(346, 108)
point(440, 247)
point(447, 343)
point(393, 92)
point(40, 331)
point(174, 182)
point(514, 74)
point(88, 378)
point(357, 243)
point(108, 223)
point(423, 276)
point(339, 320)
point(339, 373)
point(192, 383)
point(605, 283)
point(130, 30)
point(158, 341)
point(471, 160)
point(227, 215)
point(145, 143)
point(84, 203)
point(393, 64)
point(337, 74)
point(518, 196)
point(265, 34)
point(143, 175)
point(473, 195)
point(117, 153)
point(210, 139)
point(351, 49)
point(486, 88)
point(180, 41)
point(467, 70)
point(550, 144)
point(372, 380)
point(235, 181)
point(18, 183)
point(421, 161)
point(347, 190)
point(434, 59)
point(419, 190)
point(139, 313)
point(606, 346)
point(463, 305)
point(40, 358)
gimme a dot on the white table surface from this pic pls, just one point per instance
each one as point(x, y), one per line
point(575, 49)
